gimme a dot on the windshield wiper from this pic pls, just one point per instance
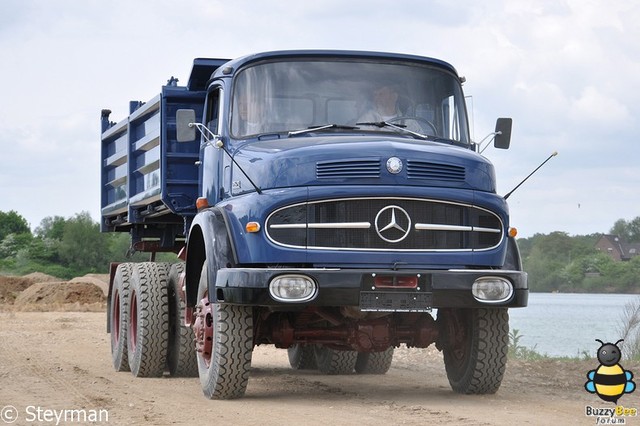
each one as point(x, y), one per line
point(400, 127)
point(324, 127)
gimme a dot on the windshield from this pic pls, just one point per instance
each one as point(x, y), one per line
point(274, 97)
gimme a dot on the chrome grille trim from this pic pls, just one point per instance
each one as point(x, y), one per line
point(478, 229)
point(430, 227)
point(343, 225)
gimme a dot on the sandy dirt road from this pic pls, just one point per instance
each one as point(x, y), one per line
point(60, 361)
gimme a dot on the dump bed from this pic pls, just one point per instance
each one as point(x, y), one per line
point(147, 177)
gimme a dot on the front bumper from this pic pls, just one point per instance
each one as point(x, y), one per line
point(356, 287)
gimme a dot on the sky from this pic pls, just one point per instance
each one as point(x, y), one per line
point(566, 71)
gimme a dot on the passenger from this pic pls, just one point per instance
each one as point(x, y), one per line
point(250, 117)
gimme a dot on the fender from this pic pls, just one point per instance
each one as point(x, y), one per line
point(512, 260)
point(209, 242)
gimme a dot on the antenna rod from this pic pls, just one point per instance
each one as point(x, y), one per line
point(530, 174)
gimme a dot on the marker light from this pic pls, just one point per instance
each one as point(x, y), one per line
point(513, 232)
point(292, 288)
point(202, 203)
point(492, 290)
point(252, 227)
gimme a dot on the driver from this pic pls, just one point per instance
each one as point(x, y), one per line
point(386, 108)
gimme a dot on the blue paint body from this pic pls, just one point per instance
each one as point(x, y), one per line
point(150, 184)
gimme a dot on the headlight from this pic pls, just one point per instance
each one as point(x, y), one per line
point(492, 289)
point(292, 288)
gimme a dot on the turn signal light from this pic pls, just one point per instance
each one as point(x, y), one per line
point(202, 203)
point(252, 227)
point(513, 232)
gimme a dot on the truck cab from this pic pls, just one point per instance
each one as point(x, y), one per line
point(341, 210)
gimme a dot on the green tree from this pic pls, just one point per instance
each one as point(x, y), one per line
point(629, 231)
point(12, 223)
point(83, 247)
point(51, 227)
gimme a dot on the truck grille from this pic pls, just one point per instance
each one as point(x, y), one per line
point(388, 224)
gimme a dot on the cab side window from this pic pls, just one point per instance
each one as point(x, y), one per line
point(213, 110)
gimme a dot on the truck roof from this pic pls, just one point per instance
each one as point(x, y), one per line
point(204, 69)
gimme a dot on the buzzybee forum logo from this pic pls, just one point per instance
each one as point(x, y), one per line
point(610, 380)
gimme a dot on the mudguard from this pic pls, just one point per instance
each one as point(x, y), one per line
point(208, 242)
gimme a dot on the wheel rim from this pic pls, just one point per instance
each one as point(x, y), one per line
point(115, 319)
point(203, 329)
point(133, 321)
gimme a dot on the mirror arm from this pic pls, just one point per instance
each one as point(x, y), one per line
point(491, 135)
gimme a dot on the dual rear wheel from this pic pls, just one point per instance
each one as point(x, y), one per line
point(147, 334)
point(333, 361)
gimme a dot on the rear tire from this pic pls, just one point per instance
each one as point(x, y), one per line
point(374, 362)
point(148, 320)
point(224, 336)
point(332, 361)
point(302, 357)
point(475, 353)
point(181, 354)
point(119, 316)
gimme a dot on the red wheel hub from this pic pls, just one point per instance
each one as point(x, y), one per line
point(203, 329)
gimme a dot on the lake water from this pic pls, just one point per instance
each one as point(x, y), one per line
point(559, 324)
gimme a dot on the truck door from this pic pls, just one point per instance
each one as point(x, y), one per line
point(211, 168)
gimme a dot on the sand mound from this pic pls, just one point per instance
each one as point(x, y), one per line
point(52, 293)
point(39, 277)
point(101, 280)
point(10, 288)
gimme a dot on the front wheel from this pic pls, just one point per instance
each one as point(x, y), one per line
point(224, 345)
point(475, 348)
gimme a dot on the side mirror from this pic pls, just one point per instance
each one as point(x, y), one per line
point(503, 130)
point(184, 131)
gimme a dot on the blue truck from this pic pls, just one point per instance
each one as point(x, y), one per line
point(331, 203)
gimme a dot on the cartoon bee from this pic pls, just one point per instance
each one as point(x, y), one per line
point(609, 381)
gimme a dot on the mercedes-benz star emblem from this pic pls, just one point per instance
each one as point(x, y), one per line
point(394, 165)
point(393, 224)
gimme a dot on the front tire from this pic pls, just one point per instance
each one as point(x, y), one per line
point(224, 341)
point(475, 349)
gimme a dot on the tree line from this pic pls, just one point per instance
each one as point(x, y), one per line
point(69, 247)
point(563, 263)
point(62, 247)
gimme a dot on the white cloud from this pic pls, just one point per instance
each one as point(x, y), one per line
point(564, 70)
